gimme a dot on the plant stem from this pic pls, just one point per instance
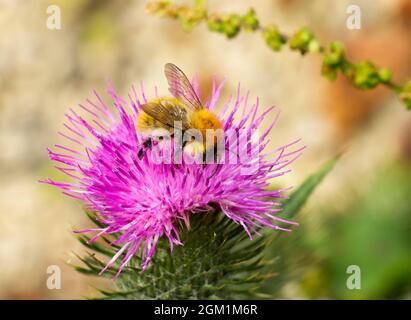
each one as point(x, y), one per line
point(364, 75)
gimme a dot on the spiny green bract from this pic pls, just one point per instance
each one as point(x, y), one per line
point(217, 261)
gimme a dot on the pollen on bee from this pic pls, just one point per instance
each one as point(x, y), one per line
point(144, 122)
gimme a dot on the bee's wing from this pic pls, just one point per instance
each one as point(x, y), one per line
point(170, 115)
point(180, 87)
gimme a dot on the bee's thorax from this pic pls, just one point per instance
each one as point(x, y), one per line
point(204, 119)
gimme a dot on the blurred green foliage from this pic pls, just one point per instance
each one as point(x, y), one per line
point(100, 29)
point(291, 252)
point(373, 233)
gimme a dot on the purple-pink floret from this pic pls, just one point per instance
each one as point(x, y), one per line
point(144, 201)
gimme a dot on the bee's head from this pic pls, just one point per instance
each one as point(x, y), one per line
point(204, 119)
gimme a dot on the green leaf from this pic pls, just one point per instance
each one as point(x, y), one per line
point(299, 197)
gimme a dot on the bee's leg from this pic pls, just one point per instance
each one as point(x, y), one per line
point(177, 154)
point(178, 150)
point(216, 169)
point(140, 154)
point(216, 155)
point(146, 145)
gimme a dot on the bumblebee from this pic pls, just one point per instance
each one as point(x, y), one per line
point(184, 111)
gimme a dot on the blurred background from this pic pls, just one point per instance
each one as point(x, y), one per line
point(361, 213)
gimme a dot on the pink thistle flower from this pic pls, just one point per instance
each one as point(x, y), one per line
point(144, 201)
